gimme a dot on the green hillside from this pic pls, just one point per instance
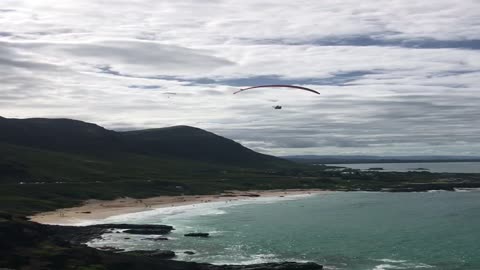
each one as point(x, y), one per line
point(52, 163)
point(195, 144)
point(180, 142)
point(49, 163)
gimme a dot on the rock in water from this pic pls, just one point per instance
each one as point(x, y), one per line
point(197, 234)
point(275, 266)
point(83, 234)
point(147, 231)
point(132, 226)
point(112, 249)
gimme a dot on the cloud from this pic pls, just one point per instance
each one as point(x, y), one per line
point(337, 78)
point(395, 76)
point(421, 43)
point(145, 86)
point(134, 57)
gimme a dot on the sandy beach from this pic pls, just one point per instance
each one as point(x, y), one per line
point(94, 210)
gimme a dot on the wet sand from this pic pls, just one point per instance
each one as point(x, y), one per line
point(95, 210)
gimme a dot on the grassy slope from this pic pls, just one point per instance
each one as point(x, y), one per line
point(86, 177)
point(196, 144)
point(61, 171)
point(52, 179)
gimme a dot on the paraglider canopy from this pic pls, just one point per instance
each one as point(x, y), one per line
point(278, 85)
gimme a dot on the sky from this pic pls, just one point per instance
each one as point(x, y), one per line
point(396, 77)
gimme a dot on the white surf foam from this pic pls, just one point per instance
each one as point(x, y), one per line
point(164, 214)
point(399, 264)
point(386, 266)
point(391, 261)
point(467, 189)
point(436, 190)
point(252, 259)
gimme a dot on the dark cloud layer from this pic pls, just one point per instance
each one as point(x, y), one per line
point(418, 43)
point(338, 78)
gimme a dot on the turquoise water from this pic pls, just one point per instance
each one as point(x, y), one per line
point(352, 231)
point(448, 167)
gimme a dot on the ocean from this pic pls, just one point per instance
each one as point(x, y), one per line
point(442, 167)
point(341, 230)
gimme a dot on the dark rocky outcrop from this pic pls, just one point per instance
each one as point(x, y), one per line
point(197, 234)
point(189, 252)
point(162, 254)
point(6, 216)
point(83, 234)
point(272, 266)
point(147, 231)
point(30, 246)
point(113, 249)
point(251, 195)
point(137, 228)
point(133, 226)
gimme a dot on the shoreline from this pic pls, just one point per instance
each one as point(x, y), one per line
point(92, 211)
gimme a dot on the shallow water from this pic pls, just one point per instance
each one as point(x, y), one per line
point(354, 231)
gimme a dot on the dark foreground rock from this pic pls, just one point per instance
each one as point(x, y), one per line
point(273, 266)
point(83, 234)
point(147, 231)
point(136, 228)
point(250, 195)
point(113, 249)
point(30, 246)
point(197, 234)
point(133, 226)
point(162, 254)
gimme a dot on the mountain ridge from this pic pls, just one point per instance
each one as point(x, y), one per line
point(74, 136)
